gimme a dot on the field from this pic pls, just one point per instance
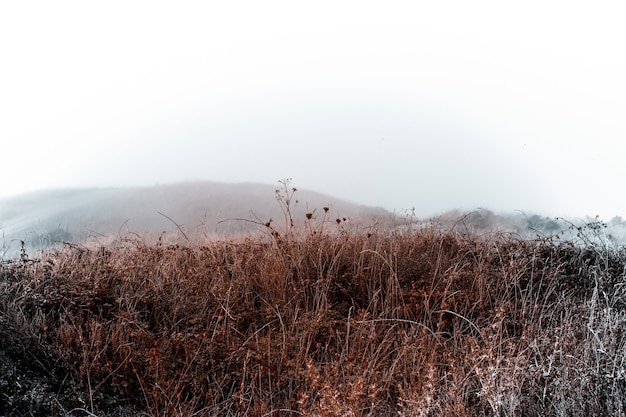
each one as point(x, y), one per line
point(320, 320)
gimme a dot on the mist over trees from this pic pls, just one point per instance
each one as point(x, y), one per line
point(529, 225)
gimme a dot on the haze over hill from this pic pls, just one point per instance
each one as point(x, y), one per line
point(198, 208)
point(437, 105)
point(221, 210)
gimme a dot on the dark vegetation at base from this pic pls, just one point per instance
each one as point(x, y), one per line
point(413, 323)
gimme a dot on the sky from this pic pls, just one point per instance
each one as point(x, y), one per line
point(426, 105)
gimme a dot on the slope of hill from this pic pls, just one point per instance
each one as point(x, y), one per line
point(199, 208)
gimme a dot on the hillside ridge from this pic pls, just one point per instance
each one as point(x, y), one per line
point(205, 207)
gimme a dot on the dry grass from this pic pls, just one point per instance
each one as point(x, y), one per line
point(332, 322)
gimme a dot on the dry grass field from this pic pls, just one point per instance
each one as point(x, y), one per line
point(323, 320)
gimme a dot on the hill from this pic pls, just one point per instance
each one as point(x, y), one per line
point(200, 209)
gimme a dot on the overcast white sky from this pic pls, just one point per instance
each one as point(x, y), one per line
point(432, 105)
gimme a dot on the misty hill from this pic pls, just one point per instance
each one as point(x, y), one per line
point(203, 209)
point(45, 217)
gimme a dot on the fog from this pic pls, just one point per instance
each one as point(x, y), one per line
point(431, 106)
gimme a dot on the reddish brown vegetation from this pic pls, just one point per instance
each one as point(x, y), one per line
point(416, 323)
